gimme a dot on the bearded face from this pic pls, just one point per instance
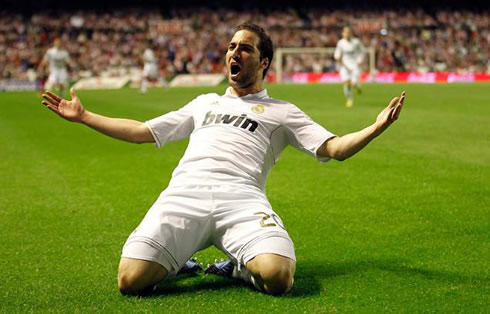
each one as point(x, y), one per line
point(243, 60)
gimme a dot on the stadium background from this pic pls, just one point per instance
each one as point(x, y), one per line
point(400, 227)
point(108, 40)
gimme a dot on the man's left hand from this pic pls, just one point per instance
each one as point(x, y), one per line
point(389, 114)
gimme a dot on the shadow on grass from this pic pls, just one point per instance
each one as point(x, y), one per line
point(302, 287)
point(328, 269)
point(183, 284)
point(193, 283)
point(308, 277)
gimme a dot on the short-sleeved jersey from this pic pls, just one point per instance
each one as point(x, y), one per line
point(57, 59)
point(149, 56)
point(235, 140)
point(351, 51)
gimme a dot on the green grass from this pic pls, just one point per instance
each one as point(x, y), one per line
point(401, 227)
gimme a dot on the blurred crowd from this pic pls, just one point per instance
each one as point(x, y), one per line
point(194, 41)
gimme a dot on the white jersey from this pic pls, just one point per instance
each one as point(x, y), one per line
point(350, 53)
point(150, 69)
point(235, 140)
point(57, 59)
point(149, 57)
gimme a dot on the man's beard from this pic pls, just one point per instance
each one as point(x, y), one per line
point(245, 81)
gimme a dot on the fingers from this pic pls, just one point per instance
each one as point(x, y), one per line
point(396, 112)
point(388, 111)
point(399, 107)
point(51, 107)
point(393, 102)
point(50, 100)
point(54, 96)
point(402, 99)
point(72, 92)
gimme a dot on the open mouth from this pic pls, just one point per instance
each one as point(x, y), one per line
point(235, 69)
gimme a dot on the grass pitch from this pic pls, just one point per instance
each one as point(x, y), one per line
point(401, 227)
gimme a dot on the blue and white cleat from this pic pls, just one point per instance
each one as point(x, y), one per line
point(221, 268)
point(191, 266)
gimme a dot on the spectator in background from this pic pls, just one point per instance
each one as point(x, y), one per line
point(190, 41)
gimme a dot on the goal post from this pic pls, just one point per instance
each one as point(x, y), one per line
point(281, 52)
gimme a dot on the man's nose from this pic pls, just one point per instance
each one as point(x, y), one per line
point(236, 53)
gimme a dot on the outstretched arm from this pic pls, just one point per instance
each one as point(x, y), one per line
point(72, 110)
point(341, 148)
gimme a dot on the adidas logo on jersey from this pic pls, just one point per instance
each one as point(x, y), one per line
point(241, 121)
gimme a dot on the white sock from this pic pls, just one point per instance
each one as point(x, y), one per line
point(348, 92)
point(144, 85)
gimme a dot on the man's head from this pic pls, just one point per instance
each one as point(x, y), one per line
point(347, 32)
point(249, 56)
point(57, 43)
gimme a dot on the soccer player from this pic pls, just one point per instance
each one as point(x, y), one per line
point(349, 53)
point(57, 59)
point(150, 69)
point(217, 192)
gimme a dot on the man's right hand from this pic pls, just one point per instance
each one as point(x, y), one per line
point(71, 110)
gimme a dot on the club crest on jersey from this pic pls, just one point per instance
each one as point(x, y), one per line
point(259, 108)
point(241, 121)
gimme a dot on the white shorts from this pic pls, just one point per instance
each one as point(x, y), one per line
point(150, 70)
point(57, 77)
point(352, 75)
point(239, 222)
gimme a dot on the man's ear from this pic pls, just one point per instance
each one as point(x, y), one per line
point(265, 62)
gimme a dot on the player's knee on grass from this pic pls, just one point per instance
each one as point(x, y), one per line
point(276, 273)
point(277, 280)
point(137, 276)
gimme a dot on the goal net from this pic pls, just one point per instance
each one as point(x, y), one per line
point(289, 61)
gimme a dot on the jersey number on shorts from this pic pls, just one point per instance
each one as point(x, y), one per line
point(270, 220)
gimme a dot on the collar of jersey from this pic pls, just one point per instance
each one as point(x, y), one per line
point(259, 95)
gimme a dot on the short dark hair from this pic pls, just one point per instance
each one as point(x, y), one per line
point(265, 43)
